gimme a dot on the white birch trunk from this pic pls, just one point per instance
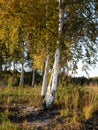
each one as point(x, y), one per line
point(53, 81)
point(45, 78)
point(22, 77)
point(13, 73)
point(33, 78)
point(50, 95)
point(22, 62)
point(0, 61)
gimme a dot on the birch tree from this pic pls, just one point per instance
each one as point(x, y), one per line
point(70, 37)
point(45, 78)
point(0, 61)
point(33, 77)
point(71, 31)
point(51, 90)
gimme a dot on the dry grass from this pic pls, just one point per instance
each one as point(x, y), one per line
point(78, 102)
point(74, 102)
point(19, 95)
point(91, 101)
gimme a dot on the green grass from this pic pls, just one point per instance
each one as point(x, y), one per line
point(20, 95)
point(17, 96)
point(78, 103)
point(5, 123)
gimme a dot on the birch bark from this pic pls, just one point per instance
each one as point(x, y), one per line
point(0, 62)
point(50, 95)
point(45, 77)
point(13, 73)
point(22, 77)
point(33, 78)
point(22, 63)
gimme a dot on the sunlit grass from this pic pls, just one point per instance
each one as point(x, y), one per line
point(17, 96)
point(5, 123)
point(20, 95)
point(78, 103)
point(90, 105)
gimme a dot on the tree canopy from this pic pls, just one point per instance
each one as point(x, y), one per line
point(36, 23)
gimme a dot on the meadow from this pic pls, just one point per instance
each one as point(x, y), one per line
point(75, 105)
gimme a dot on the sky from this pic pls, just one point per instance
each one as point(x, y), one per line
point(93, 72)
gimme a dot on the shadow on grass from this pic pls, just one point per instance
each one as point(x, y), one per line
point(92, 123)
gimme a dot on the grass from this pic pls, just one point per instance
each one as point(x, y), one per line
point(91, 101)
point(20, 95)
point(5, 123)
point(78, 103)
point(16, 96)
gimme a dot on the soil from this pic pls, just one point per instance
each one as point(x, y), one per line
point(40, 119)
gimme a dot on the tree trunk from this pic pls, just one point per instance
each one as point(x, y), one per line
point(50, 95)
point(51, 90)
point(45, 78)
point(22, 77)
point(22, 63)
point(13, 73)
point(0, 62)
point(33, 78)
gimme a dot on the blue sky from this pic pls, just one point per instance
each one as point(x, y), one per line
point(93, 72)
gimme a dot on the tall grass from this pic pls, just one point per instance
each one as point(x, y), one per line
point(90, 106)
point(17, 97)
point(5, 123)
point(78, 103)
point(20, 95)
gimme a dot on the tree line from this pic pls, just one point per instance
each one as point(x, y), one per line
point(8, 78)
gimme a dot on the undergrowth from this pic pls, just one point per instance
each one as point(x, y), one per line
point(78, 103)
point(19, 95)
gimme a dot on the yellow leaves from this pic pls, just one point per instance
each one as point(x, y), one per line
point(2, 33)
point(38, 61)
point(39, 57)
point(6, 1)
point(14, 35)
point(2, 1)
